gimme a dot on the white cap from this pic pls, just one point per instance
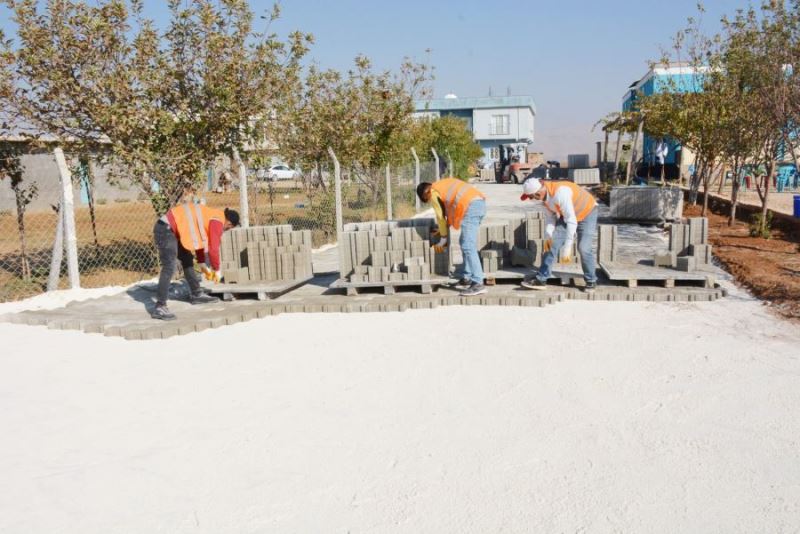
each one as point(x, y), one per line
point(530, 187)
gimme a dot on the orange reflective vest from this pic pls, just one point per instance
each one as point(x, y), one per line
point(582, 200)
point(456, 196)
point(191, 224)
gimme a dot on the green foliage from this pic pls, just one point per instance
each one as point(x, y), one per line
point(450, 137)
point(761, 226)
point(163, 104)
point(361, 114)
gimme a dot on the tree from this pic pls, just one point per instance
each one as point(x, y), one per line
point(448, 135)
point(361, 114)
point(11, 170)
point(164, 104)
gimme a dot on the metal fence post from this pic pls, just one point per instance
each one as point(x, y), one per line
point(436, 158)
point(68, 210)
point(244, 206)
point(337, 177)
point(450, 170)
point(388, 193)
point(416, 178)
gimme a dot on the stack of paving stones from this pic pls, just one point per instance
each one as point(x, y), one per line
point(646, 203)
point(265, 254)
point(527, 245)
point(391, 251)
point(606, 243)
point(688, 246)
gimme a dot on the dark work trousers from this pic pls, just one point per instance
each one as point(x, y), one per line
point(168, 250)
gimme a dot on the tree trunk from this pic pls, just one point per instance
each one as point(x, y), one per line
point(605, 158)
point(21, 205)
point(634, 153)
point(734, 191)
point(616, 158)
point(765, 198)
point(706, 182)
point(88, 180)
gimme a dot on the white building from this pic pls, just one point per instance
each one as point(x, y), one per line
point(493, 120)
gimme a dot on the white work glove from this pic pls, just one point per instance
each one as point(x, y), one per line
point(440, 246)
point(566, 252)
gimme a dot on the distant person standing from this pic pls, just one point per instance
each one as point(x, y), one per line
point(571, 210)
point(456, 204)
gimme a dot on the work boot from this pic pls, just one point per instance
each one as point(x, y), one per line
point(464, 283)
point(590, 287)
point(202, 298)
point(473, 290)
point(534, 283)
point(162, 313)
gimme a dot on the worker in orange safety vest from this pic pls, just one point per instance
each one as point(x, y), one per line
point(570, 210)
point(458, 205)
point(185, 231)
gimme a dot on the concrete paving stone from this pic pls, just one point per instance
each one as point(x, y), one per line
point(112, 331)
point(667, 259)
point(686, 264)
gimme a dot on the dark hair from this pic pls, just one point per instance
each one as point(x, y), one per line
point(422, 188)
point(232, 216)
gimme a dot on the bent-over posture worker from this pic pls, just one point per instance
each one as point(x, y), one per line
point(457, 204)
point(570, 209)
point(187, 230)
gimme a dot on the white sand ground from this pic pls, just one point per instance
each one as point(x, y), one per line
point(579, 417)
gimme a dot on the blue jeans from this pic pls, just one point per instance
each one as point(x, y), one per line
point(587, 228)
point(472, 267)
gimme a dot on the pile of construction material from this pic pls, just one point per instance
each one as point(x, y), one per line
point(607, 243)
point(585, 176)
point(515, 243)
point(688, 246)
point(646, 203)
point(391, 251)
point(265, 254)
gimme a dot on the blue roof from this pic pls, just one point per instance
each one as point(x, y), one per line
point(477, 102)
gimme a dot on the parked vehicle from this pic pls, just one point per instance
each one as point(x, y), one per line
point(511, 168)
point(281, 172)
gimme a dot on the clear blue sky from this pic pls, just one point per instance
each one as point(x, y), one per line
point(575, 57)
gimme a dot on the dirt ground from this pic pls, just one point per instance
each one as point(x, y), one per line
point(769, 268)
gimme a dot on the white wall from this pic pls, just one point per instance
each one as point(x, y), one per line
point(521, 125)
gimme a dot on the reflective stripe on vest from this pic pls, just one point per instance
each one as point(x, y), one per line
point(192, 224)
point(201, 225)
point(456, 196)
point(582, 201)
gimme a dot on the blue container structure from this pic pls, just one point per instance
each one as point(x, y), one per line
point(797, 206)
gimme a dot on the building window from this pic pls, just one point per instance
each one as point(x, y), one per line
point(495, 153)
point(500, 125)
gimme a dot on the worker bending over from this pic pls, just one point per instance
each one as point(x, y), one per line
point(457, 204)
point(570, 209)
point(186, 231)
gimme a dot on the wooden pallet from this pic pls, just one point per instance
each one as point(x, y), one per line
point(261, 290)
point(632, 274)
point(389, 288)
point(568, 274)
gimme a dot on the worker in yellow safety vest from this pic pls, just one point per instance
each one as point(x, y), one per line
point(570, 210)
point(185, 231)
point(458, 205)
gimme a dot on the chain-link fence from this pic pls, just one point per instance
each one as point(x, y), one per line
point(114, 219)
point(113, 227)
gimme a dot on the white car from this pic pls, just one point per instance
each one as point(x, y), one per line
point(281, 172)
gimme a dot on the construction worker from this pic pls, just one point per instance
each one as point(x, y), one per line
point(188, 230)
point(570, 209)
point(457, 204)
